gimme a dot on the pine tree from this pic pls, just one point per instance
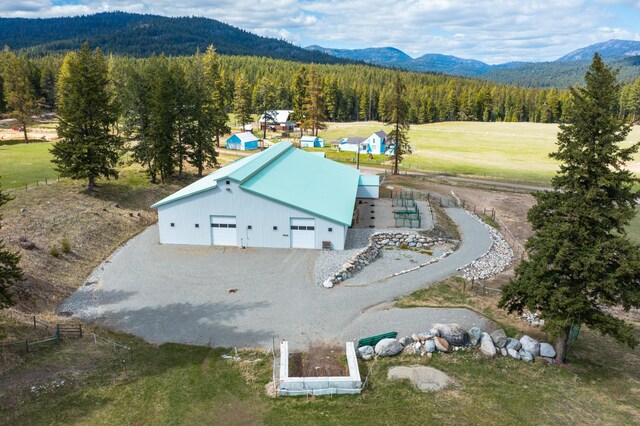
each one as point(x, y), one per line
point(265, 101)
point(580, 258)
point(205, 114)
point(19, 92)
point(299, 91)
point(87, 148)
point(242, 101)
point(397, 110)
point(218, 101)
point(314, 109)
point(10, 271)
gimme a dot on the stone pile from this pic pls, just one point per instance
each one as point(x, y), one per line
point(532, 319)
point(452, 337)
point(371, 252)
point(496, 260)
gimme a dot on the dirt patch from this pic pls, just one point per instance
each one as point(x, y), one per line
point(319, 361)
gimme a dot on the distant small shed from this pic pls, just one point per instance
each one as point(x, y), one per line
point(368, 186)
point(311, 142)
point(244, 141)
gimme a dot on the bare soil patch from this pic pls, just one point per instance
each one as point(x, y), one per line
point(319, 361)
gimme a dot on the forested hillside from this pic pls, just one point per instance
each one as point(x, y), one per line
point(145, 35)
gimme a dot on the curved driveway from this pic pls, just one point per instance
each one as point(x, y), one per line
point(166, 293)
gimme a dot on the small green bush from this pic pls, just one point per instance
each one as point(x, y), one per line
point(66, 245)
point(54, 252)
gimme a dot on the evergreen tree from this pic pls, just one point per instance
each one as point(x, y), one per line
point(299, 91)
point(314, 109)
point(204, 113)
point(87, 148)
point(242, 101)
point(19, 91)
point(580, 258)
point(162, 117)
point(218, 100)
point(265, 101)
point(10, 271)
point(397, 111)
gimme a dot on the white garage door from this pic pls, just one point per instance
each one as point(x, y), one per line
point(303, 233)
point(223, 231)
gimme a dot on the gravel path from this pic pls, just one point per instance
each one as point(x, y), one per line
point(166, 293)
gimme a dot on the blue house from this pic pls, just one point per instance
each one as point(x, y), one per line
point(245, 141)
point(377, 143)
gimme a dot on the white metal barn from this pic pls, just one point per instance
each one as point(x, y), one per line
point(281, 197)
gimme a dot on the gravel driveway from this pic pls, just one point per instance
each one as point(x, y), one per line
point(167, 293)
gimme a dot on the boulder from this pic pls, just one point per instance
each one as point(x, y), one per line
point(452, 333)
point(546, 350)
point(415, 337)
point(474, 335)
point(388, 347)
point(486, 345)
point(513, 344)
point(503, 352)
point(441, 344)
point(499, 338)
point(525, 356)
point(530, 345)
point(434, 332)
point(406, 341)
point(513, 353)
point(365, 352)
point(430, 346)
point(328, 283)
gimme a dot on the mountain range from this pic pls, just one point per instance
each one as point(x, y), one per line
point(140, 35)
point(622, 53)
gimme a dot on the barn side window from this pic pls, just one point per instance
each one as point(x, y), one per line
point(249, 227)
point(228, 182)
point(197, 225)
point(173, 224)
point(275, 228)
point(330, 229)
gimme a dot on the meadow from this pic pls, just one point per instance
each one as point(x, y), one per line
point(512, 152)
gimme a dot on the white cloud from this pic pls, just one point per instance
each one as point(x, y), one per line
point(494, 31)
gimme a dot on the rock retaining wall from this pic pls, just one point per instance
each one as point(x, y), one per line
point(372, 251)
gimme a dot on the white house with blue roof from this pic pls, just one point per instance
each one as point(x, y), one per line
point(244, 141)
point(281, 197)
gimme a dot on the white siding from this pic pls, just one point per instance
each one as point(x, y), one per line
point(252, 210)
point(368, 192)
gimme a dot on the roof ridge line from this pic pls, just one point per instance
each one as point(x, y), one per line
point(259, 169)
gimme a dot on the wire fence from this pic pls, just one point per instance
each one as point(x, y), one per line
point(32, 185)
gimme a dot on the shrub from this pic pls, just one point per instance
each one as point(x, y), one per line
point(66, 245)
point(54, 252)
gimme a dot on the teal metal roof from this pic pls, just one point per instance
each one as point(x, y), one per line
point(290, 176)
point(369, 180)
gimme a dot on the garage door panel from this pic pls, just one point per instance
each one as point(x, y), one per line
point(303, 234)
point(223, 231)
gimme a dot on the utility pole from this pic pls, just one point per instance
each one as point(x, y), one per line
point(358, 157)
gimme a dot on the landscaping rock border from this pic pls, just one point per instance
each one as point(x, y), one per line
point(499, 257)
point(372, 251)
point(448, 338)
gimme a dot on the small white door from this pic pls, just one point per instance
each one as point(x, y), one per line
point(223, 231)
point(303, 233)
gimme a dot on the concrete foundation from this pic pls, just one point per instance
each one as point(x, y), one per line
point(331, 385)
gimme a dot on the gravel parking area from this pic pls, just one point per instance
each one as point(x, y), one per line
point(166, 293)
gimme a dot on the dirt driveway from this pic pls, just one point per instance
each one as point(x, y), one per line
point(166, 293)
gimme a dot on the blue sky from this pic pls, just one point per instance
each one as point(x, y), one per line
point(493, 31)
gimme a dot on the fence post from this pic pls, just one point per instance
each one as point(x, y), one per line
point(81, 331)
point(26, 342)
point(34, 322)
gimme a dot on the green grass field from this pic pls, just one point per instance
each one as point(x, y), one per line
point(514, 152)
point(25, 164)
